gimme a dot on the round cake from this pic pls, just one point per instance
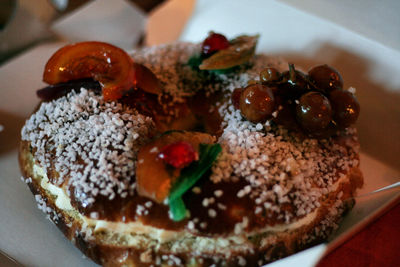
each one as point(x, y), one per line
point(107, 172)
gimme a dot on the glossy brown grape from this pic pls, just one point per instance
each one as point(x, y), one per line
point(345, 106)
point(269, 75)
point(257, 102)
point(313, 112)
point(287, 117)
point(327, 132)
point(236, 97)
point(325, 78)
point(294, 83)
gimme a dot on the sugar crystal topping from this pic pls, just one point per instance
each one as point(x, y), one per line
point(95, 143)
point(169, 64)
point(279, 167)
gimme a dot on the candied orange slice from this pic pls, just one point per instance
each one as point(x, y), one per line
point(154, 178)
point(111, 66)
point(147, 80)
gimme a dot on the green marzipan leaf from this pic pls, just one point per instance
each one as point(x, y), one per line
point(225, 71)
point(178, 209)
point(189, 176)
point(195, 62)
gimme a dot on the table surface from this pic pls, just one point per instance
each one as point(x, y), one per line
point(376, 245)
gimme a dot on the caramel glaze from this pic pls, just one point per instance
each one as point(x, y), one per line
point(199, 112)
point(124, 209)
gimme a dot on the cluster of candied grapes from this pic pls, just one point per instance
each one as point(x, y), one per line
point(315, 102)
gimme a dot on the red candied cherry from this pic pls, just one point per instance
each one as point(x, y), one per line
point(325, 78)
point(213, 43)
point(257, 102)
point(179, 154)
point(236, 97)
point(313, 112)
point(345, 107)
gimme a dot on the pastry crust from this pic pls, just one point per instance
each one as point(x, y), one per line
point(270, 194)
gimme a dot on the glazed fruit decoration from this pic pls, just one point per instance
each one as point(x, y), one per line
point(213, 43)
point(313, 111)
point(257, 102)
point(315, 102)
point(95, 65)
point(179, 154)
point(346, 107)
point(172, 164)
point(325, 78)
point(220, 54)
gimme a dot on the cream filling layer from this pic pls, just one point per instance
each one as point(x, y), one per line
point(63, 202)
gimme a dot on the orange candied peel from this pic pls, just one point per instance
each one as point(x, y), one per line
point(111, 66)
point(153, 178)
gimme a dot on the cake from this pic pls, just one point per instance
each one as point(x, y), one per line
point(105, 167)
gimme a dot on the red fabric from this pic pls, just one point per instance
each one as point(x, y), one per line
point(377, 245)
